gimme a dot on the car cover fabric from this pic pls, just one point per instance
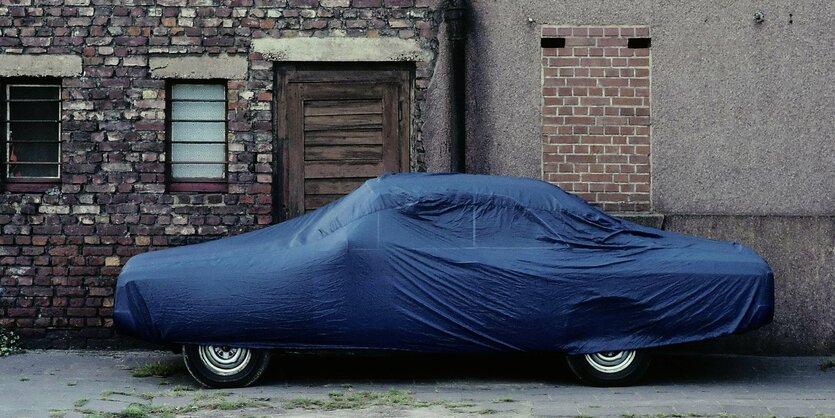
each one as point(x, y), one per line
point(448, 263)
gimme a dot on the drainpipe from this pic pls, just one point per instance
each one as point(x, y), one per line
point(456, 20)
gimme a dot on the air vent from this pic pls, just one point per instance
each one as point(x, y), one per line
point(637, 43)
point(553, 43)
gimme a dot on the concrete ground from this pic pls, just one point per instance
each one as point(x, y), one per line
point(100, 383)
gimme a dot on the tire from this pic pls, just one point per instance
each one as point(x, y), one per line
point(223, 366)
point(617, 368)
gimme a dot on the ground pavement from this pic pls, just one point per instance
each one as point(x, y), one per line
point(102, 383)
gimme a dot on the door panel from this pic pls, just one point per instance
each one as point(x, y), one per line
point(342, 152)
point(331, 186)
point(341, 128)
point(341, 107)
point(343, 137)
point(345, 122)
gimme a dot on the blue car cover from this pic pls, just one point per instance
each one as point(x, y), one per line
point(448, 263)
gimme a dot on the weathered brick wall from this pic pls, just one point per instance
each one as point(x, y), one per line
point(61, 250)
point(596, 115)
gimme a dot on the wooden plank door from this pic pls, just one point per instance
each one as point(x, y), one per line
point(343, 128)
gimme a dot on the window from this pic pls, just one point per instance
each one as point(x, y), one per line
point(31, 135)
point(196, 136)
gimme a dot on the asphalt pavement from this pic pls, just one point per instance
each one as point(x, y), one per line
point(101, 383)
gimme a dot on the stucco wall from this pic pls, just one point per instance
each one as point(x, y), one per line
point(437, 131)
point(742, 113)
point(801, 251)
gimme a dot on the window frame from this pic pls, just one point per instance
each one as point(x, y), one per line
point(195, 184)
point(29, 184)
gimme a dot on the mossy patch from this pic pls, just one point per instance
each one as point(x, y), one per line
point(202, 403)
point(366, 399)
point(159, 369)
point(357, 400)
point(209, 400)
point(9, 343)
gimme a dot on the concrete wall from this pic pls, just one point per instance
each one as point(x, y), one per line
point(742, 131)
point(801, 251)
point(742, 112)
point(437, 132)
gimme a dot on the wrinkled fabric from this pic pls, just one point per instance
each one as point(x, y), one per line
point(448, 263)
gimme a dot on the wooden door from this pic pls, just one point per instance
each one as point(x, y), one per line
point(342, 128)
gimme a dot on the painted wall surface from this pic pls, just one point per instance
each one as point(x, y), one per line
point(742, 113)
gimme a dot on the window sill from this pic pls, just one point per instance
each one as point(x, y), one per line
point(27, 187)
point(198, 187)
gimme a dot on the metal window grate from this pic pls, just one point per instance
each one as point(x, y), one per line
point(196, 129)
point(31, 126)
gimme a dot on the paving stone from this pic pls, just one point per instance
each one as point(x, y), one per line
point(746, 410)
point(743, 386)
point(173, 401)
point(554, 410)
point(792, 411)
point(604, 411)
point(99, 405)
point(129, 399)
point(648, 410)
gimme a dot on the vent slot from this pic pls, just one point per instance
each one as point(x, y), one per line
point(553, 43)
point(639, 43)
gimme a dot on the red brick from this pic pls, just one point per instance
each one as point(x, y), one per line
point(605, 136)
point(581, 41)
point(612, 42)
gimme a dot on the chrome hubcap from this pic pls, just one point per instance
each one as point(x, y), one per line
point(611, 361)
point(224, 361)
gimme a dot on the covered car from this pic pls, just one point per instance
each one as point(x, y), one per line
point(445, 263)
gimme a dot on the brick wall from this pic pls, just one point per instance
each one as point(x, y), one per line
point(596, 114)
point(61, 250)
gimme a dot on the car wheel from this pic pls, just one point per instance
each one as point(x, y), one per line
point(615, 368)
point(223, 366)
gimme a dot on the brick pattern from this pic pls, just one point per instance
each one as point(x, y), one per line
point(596, 116)
point(60, 251)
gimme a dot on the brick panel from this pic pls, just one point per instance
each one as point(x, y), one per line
point(61, 251)
point(596, 115)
